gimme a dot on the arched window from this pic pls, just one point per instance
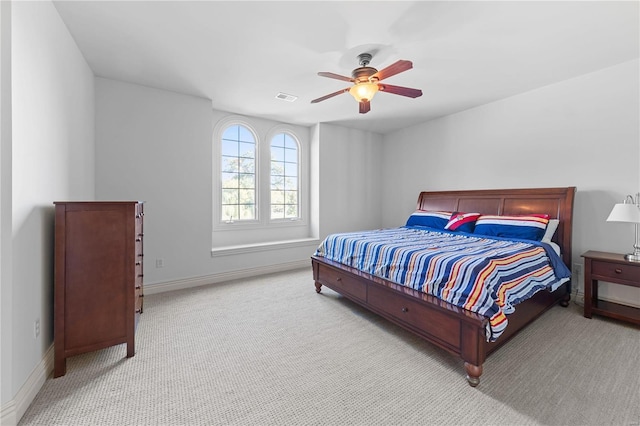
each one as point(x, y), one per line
point(285, 184)
point(260, 183)
point(238, 174)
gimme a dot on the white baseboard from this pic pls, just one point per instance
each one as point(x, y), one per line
point(154, 288)
point(13, 411)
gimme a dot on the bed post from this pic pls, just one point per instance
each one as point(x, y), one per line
point(472, 350)
point(315, 276)
point(473, 374)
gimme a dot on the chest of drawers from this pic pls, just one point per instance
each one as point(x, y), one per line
point(98, 278)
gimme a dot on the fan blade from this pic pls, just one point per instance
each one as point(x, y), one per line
point(393, 69)
point(399, 90)
point(336, 76)
point(365, 107)
point(330, 95)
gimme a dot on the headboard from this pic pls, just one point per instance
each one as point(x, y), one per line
point(556, 202)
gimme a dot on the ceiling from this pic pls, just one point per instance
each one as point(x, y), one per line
point(241, 54)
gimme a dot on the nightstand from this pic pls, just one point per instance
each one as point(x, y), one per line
point(613, 268)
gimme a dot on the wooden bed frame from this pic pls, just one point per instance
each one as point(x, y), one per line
point(457, 330)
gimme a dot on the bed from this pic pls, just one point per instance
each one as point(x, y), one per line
point(460, 331)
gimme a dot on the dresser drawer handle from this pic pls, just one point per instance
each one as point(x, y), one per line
point(339, 279)
point(138, 240)
point(140, 275)
point(138, 287)
point(618, 271)
point(141, 234)
point(405, 309)
point(138, 311)
point(138, 263)
point(140, 255)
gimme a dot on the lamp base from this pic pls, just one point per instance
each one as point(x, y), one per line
point(632, 257)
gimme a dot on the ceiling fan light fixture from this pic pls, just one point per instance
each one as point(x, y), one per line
point(364, 91)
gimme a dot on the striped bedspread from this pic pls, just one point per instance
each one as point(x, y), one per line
point(486, 275)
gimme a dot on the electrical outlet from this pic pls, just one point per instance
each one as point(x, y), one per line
point(36, 328)
point(159, 263)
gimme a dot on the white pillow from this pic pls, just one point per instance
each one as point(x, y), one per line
point(551, 229)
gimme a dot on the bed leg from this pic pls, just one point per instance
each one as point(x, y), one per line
point(473, 374)
point(564, 302)
point(318, 286)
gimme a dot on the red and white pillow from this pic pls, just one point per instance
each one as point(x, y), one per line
point(462, 222)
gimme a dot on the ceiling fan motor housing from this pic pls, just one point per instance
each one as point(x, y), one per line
point(362, 74)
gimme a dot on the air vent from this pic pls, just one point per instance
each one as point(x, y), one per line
point(285, 97)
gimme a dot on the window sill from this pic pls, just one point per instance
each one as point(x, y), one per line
point(240, 225)
point(260, 247)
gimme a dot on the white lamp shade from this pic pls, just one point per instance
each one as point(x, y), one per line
point(625, 213)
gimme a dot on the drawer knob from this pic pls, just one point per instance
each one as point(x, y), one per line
point(338, 279)
point(140, 275)
point(138, 263)
point(138, 240)
point(405, 309)
point(618, 271)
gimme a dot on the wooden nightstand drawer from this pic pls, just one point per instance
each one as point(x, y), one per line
point(615, 270)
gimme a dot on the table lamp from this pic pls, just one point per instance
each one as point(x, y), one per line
point(628, 211)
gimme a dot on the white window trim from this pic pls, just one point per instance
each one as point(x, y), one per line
point(263, 183)
point(238, 121)
point(219, 129)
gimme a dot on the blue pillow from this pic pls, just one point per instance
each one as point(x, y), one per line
point(529, 227)
point(432, 219)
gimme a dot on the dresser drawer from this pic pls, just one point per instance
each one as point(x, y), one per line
point(435, 323)
point(341, 283)
point(615, 270)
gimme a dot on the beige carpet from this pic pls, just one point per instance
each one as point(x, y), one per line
point(270, 351)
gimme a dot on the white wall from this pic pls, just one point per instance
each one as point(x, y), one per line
point(156, 146)
point(582, 132)
point(350, 179)
point(6, 283)
point(52, 159)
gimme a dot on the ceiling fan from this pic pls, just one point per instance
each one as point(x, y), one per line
point(366, 81)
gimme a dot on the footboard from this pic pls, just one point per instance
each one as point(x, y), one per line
point(456, 330)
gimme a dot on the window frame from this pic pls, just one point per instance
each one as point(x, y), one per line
point(255, 174)
point(298, 177)
point(263, 177)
